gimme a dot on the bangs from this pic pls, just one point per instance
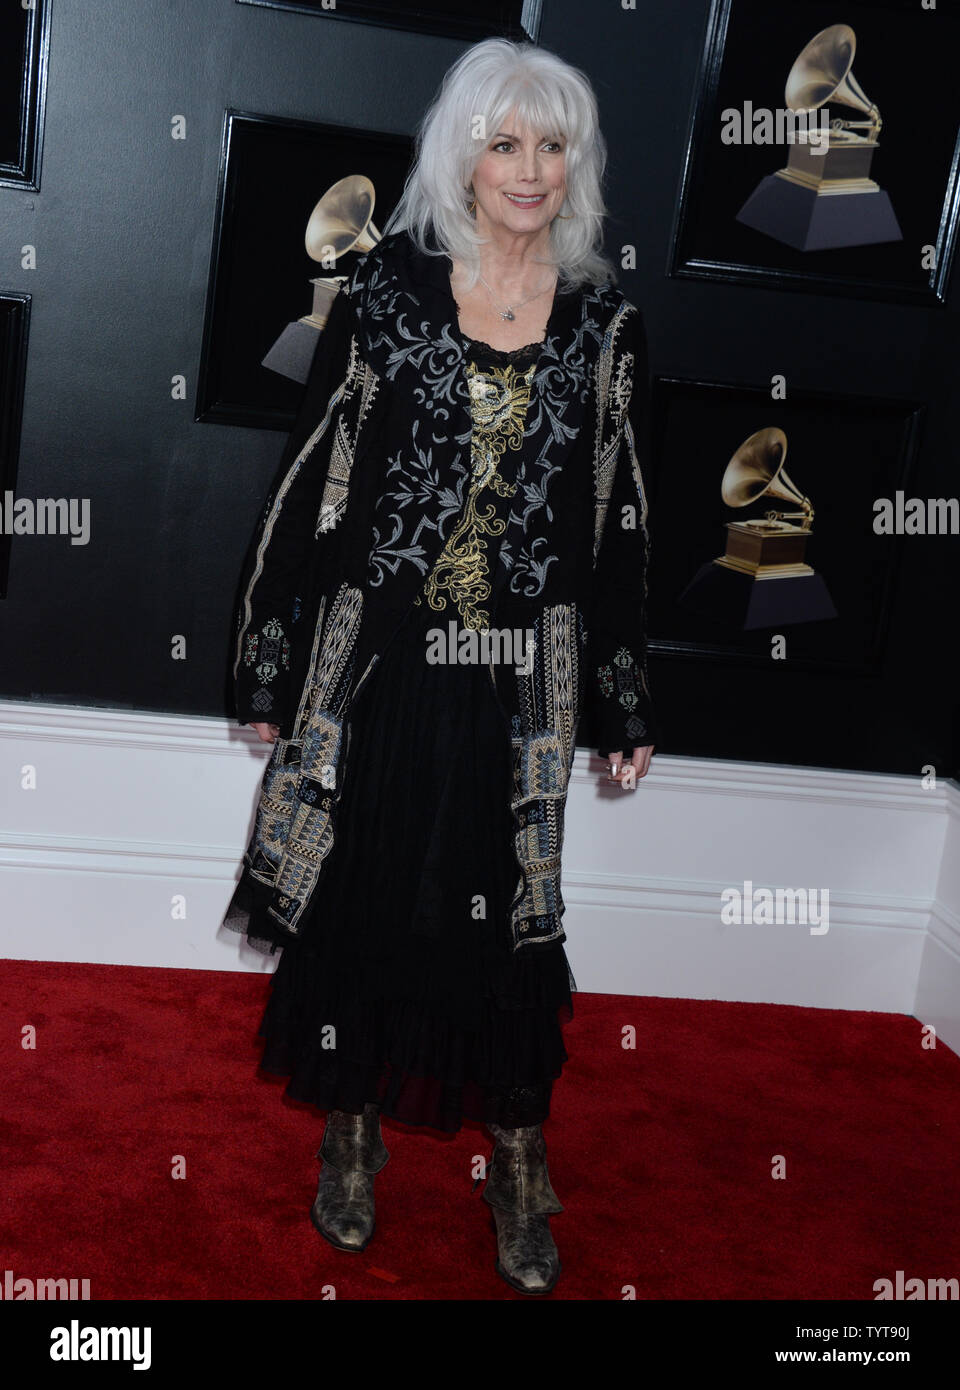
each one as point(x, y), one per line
point(542, 111)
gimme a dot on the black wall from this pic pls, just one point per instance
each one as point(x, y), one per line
point(123, 227)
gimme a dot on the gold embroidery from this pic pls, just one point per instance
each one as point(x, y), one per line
point(499, 398)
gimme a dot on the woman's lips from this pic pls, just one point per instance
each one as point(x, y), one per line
point(525, 201)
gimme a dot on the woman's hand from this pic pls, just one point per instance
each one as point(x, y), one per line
point(268, 732)
point(626, 773)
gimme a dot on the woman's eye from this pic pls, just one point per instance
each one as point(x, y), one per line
point(506, 145)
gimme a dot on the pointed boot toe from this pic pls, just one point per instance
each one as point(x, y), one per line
point(527, 1256)
point(343, 1210)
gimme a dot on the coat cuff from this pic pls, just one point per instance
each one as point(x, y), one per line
point(262, 694)
point(624, 717)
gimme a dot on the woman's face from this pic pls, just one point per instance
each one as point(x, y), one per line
point(519, 181)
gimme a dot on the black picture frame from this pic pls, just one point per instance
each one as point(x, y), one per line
point(843, 452)
point(273, 170)
point(14, 332)
point(24, 48)
point(907, 68)
point(456, 19)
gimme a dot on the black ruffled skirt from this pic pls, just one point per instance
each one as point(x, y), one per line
point(402, 987)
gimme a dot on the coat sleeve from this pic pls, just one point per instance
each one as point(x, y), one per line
point(278, 552)
point(617, 686)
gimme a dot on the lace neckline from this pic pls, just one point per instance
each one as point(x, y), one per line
point(502, 352)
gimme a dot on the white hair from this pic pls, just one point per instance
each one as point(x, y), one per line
point(552, 99)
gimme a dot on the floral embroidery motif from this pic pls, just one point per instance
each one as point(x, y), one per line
point(499, 398)
point(558, 382)
point(420, 491)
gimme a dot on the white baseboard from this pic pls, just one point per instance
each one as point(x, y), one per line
point(132, 811)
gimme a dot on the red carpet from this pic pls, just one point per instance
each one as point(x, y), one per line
point(662, 1156)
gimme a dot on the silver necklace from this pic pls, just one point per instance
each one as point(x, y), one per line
point(506, 310)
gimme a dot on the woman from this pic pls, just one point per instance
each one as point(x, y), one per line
point(448, 581)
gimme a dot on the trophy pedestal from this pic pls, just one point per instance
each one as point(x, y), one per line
point(815, 209)
point(292, 353)
point(762, 580)
point(744, 602)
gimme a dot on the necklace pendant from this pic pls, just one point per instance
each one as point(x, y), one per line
point(507, 314)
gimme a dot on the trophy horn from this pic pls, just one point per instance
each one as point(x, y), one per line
point(756, 470)
point(342, 220)
point(823, 72)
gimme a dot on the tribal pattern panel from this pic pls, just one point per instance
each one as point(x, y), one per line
point(268, 652)
point(328, 681)
point(311, 831)
point(624, 678)
point(543, 753)
point(294, 830)
point(361, 384)
point(273, 508)
point(274, 811)
point(306, 695)
point(614, 384)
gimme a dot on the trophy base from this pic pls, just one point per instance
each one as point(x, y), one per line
point(292, 353)
point(744, 602)
point(809, 220)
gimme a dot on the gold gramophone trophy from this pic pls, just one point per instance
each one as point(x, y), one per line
point(763, 579)
point(825, 198)
point(340, 222)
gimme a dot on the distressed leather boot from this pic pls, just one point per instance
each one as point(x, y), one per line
point(519, 1192)
point(353, 1152)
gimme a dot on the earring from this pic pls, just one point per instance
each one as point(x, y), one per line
point(472, 205)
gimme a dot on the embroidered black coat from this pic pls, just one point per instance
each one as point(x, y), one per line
point(369, 486)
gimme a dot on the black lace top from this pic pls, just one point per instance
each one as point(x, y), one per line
point(482, 349)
